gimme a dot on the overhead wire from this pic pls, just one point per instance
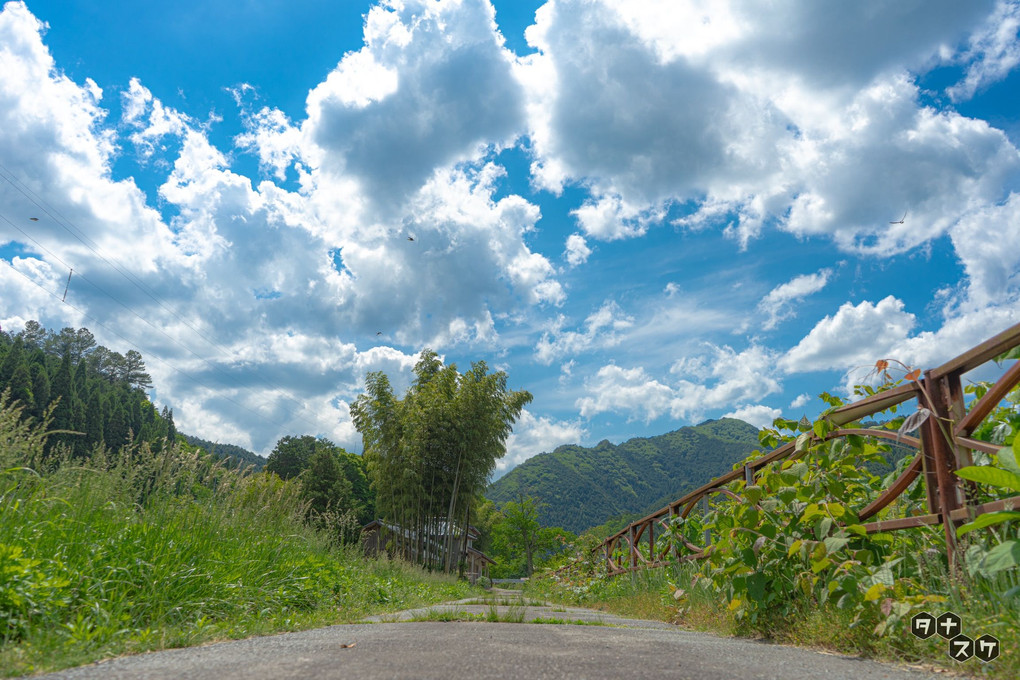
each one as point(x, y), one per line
point(126, 307)
point(152, 354)
point(69, 227)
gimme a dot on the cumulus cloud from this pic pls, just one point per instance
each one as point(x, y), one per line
point(631, 391)
point(536, 434)
point(161, 121)
point(431, 86)
point(639, 130)
point(851, 179)
point(601, 330)
point(992, 264)
point(993, 52)
point(856, 335)
point(801, 400)
point(777, 305)
point(756, 414)
point(802, 118)
point(720, 378)
point(577, 251)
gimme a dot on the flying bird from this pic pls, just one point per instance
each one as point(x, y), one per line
point(34, 219)
point(901, 219)
point(410, 238)
point(378, 332)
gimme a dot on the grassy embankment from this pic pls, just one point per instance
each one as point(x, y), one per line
point(985, 604)
point(790, 560)
point(142, 551)
point(649, 595)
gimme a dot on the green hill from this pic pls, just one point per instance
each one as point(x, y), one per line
point(241, 457)
point(584, 487)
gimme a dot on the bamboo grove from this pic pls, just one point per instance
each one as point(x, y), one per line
point(429, 455)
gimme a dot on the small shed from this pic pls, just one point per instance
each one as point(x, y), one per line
point(376, 535)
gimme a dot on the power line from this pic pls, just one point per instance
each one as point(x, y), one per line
point(156, 328)
point(152, 354)
point(60, 220)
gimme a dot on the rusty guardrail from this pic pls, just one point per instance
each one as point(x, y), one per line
point(948, 500)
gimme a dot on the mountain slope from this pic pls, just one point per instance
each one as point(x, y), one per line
point(242, 457)
point(583, 487)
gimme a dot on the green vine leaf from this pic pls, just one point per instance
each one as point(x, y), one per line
point(987, 520)
point(1003, 556)
point(989, 475)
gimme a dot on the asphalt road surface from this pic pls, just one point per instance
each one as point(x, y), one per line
point(394, 648)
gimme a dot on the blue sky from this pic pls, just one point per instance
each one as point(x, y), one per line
point(648, 213)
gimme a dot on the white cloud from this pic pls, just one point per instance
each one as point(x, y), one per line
point(637, 129)
point(850, 176)
point(804, 118)
point(758, 415)
point(994, 51)
point(162, 121)
point(432, 86)
point(631, 391)
point(601, 330)
point(987, 242)
point(270, 134)
point(610, 217)
point(856, 335)
point(722, 378)
point(577, 250)
point(778, 303)
point(536, 434)
point(801, 400)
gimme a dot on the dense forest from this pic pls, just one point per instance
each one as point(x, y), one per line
point(95, 396)
point(583, 487)
point(234, 455)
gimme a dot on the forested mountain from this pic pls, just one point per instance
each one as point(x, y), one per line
point(583, 487)
point(242, 457)
point(93, 390)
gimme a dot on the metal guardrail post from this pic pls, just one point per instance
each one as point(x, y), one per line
point(944, 455)
point(748, 475)
point(651, 542)
point(633, 547)
point(704, 509)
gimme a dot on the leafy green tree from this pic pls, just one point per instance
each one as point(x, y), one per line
point(431, 453)
point(520, 531)
point(290, 456)
point(324, 484)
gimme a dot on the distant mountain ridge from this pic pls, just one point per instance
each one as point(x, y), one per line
point(583, 487)
point(242, 457)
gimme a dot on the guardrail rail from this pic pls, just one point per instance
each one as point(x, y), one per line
point(940, 451)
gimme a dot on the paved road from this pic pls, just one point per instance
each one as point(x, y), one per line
point(621, 648)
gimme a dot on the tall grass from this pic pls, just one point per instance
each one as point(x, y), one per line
point(650, 593)
point(142, 550)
